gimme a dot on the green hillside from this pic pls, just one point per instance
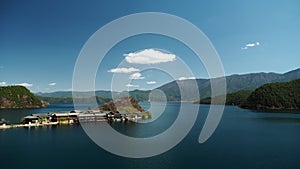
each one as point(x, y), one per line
point(284, 95)
point(236, 98)
point(272, 96)
point(19, 97)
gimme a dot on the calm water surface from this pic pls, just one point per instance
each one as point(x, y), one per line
point(244, 139)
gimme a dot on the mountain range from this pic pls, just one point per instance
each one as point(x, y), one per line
point(234, 83)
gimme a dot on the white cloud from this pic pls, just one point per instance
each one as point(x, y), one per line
point(149, 56)
point(250, 44)
point(186, 78)
point(124, 70)
point(18, 84)
point(247, 46)
point(136, 76)
point(52, 84)
point(2, 83)
point(151, 82)
point(131, 85)
point(24, 84)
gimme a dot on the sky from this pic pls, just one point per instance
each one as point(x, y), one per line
point(40, 41)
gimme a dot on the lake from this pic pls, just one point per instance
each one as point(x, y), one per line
point(243, 139)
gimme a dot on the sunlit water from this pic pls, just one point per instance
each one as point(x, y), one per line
point(244, 139)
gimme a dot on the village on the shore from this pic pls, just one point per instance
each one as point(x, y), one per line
point(75, 117)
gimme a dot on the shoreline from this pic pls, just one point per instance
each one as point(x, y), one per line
point(9, 126)
point(275, 110)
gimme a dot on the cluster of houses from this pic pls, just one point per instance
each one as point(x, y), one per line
point(76, 116)
point(52, 117)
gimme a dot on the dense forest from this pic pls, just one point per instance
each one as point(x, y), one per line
point(284, 95)
point(279, 95)
point(19, 97)
point(236, 98)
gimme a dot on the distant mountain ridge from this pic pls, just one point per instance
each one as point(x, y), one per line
point(234, 83)
point(68, 94)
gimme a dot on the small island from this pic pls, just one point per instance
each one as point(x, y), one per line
point(125, 105)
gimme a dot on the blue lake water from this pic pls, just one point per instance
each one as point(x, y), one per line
point(243, 139)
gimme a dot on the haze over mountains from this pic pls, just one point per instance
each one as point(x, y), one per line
point(234, 83)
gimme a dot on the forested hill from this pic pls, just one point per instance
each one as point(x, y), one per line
point(236, 98)
point(272, 96)
point(19, 97)
point(284, 95)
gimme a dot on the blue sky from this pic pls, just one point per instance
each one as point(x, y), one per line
point(41, 40)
